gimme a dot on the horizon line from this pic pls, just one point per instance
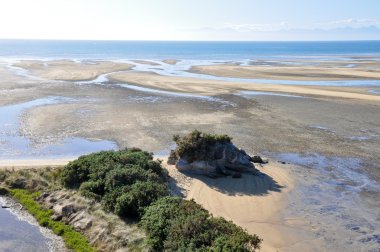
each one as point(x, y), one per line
point(179, 40)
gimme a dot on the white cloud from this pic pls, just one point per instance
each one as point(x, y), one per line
point(356, 21)
point(351, 22)
point(348, 29)
point(253, 27)
point(284, 26)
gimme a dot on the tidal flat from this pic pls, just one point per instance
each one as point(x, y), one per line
point(327, 143)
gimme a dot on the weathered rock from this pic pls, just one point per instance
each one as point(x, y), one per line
point(35, 184)
point(259, 160)
point(3, 191)
point(19, 182)
point(223, 157)
point(64, 210)
point(82, 221)
point(104, 230)
point(43, 195)
point(236, 175)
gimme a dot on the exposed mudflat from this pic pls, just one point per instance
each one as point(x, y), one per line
point(328, 138)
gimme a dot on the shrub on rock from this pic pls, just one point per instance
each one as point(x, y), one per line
point(197, 145)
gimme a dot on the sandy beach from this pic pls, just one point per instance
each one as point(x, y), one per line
point(254, 202)
point(326, 137)
point(33, 163)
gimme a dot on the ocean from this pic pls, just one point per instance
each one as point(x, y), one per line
point(183, 50)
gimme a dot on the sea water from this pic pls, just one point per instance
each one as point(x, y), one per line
point(196, 50)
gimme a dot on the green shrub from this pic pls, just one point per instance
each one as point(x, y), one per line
point(96, 166)
point(140, 195)
point(3, 175)
point(197, 145)
point(131, 184)
point(174, 224)
point(157, 220)
point(92, 189)
point(125, 181)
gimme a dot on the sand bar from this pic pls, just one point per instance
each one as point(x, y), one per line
point(146, 62)
point(171, 61)
point(289, 72)
point(214, 87)
point(70, 70)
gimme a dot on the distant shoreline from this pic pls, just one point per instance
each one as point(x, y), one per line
point(211, 50)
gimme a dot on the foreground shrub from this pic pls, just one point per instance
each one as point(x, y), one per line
point(125, 181)
point(174, 224)
point(140, 195)
point(196, 145)
point(96, 166)
point(131, 184)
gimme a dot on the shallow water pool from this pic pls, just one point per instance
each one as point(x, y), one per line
point(15, 146)
point(19, 235)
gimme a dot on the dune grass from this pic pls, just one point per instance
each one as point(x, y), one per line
point(73, 239)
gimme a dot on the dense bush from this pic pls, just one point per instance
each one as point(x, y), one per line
point(196, 145)
point(124, 181)
point(131, 184)
point(173, 224)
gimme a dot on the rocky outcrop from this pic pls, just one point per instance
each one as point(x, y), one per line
point(105, 231)
point(221, 159)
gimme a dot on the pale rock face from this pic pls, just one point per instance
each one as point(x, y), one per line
point(104, 230)
point(223, 157)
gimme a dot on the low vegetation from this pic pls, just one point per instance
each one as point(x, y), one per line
point(73, 239)
point(31, 179)
point(125, 181)
point(173, 224)
point(197, 145)
point(131, 184)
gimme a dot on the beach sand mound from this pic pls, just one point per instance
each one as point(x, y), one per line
point(252, 202)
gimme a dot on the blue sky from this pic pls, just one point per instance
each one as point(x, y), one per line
point(191, 20)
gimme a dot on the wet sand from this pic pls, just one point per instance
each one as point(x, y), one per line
point(330, 192)
point(213, 87)
point(70, 70)
point(319, 71)
point(146, 62)
point(171, 61)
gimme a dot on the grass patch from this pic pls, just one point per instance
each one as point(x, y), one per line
point(73, 239)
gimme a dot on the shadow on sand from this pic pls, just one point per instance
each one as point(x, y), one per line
point(249, 184)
